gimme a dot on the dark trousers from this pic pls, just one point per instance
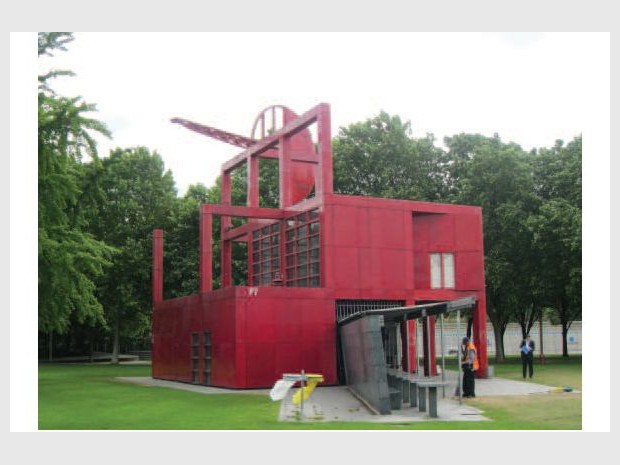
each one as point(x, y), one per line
point(469, 383)
point(527, 361)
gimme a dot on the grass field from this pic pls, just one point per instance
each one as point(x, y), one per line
point(88, 397)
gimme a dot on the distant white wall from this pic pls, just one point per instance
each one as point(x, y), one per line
point(552, 338)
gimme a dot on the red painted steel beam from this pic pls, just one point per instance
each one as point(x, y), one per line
point(324, 180)
point(271, 141)
point(480, 335)
point(205, 270)
point(245, 212)
point(218, 134)
point(240, 231)
point(158, 266)
point(253, 182)
point(225, 225)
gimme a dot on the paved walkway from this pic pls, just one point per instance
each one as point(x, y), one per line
point(337, 403)
point(498, 386)
point(190, 387)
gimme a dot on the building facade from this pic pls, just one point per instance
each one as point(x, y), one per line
point(316, 259)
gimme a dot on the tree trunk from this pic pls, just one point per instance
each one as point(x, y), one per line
point(51, 344)
point(564, 340)
point(115, 347)
point(499, 343)
point(541, 349)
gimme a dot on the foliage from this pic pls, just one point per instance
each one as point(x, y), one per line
point(136, 195)
point(380, 158)
point(69, 258)
point(497, 177)
point(556, 230)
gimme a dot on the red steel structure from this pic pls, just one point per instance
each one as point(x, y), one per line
point(316, 252)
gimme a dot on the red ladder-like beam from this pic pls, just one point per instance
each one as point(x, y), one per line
point(224, 136)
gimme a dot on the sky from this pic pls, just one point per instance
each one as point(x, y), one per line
point(530, 88)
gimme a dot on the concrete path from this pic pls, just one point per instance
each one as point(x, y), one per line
point(498, 386)
point(144, 381)
point(337, 403)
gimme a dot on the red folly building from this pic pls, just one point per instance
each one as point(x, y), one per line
point(318, 257)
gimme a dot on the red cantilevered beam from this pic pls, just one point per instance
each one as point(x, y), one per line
point(224, 136)
point(271, 141)
point(244, 212)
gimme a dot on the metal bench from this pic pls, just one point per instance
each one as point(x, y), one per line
point(411, 382)
point(431, 386)
point(395, 399)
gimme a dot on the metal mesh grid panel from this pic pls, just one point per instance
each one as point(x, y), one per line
point(348, 307)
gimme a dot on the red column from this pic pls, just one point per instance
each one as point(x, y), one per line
point(252, 201)
point(284, 167)
point(226, 222)
point(205, 271)
point(428, 330)
point(253, 180)
point(431, 334)
point(413, 355)
point(158, 266)
point(324, 182)
point(480, 334)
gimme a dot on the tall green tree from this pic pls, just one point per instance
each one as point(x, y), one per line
point(557, 231)
point(137, 195)
point(70, 259)
point(181, 243)
point(498, 178)
point(380, 158)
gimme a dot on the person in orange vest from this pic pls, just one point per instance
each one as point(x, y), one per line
point(469, 364)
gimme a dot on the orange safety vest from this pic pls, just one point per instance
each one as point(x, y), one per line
point(471, 346)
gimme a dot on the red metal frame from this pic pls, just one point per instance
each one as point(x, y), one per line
point(370, 248)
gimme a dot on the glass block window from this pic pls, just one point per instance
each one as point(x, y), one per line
point(442, 271)
point(302, 250)
point(448, 270)
point(265, 254)
point(435, 271)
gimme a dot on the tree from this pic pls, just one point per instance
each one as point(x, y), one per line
point(137, 195)
point(497, 177)
point(380, 158)
point(181, 243)
point(557, 231)
point(70, 259)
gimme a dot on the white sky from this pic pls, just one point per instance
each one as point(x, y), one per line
point(531, 88)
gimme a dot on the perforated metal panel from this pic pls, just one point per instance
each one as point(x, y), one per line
point(348, 307)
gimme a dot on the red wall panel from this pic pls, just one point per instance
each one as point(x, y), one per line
point(469, 268)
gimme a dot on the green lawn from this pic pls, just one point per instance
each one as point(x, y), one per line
point(555, 372)
point(88, 397)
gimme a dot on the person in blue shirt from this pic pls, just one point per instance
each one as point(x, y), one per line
point(527, 356)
